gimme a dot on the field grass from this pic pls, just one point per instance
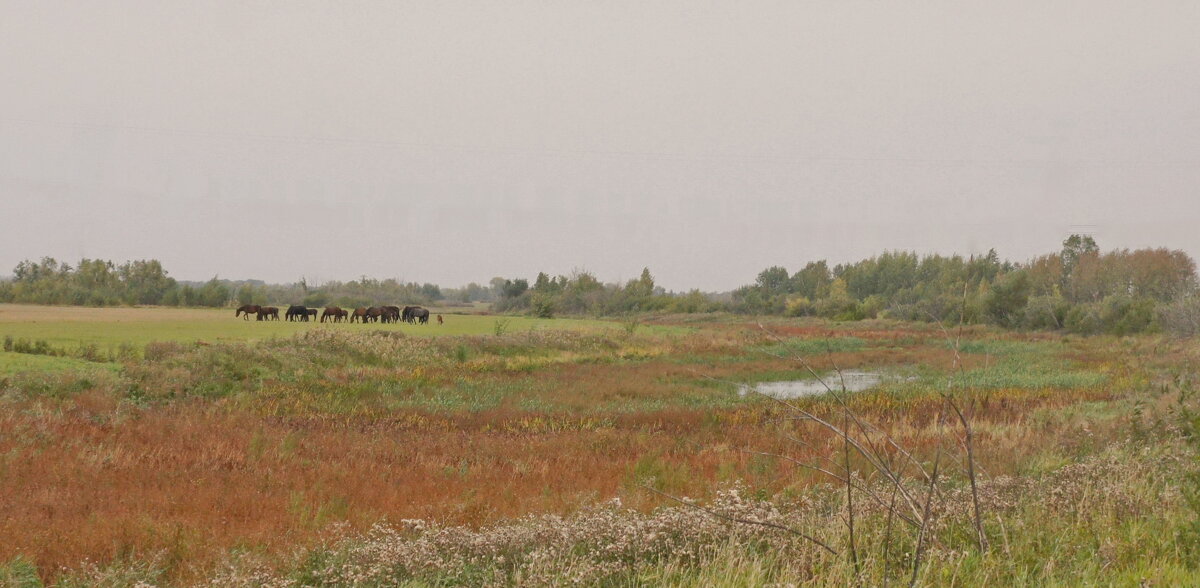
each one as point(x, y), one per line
point(68, 326)
point(223, 452)
point(12, 363)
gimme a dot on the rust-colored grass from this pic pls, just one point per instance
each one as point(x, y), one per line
point(94, 477)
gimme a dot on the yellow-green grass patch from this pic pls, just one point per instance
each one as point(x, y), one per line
point(67, 328)
point(12, 363)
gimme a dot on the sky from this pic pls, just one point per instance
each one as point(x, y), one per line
point(451, 142)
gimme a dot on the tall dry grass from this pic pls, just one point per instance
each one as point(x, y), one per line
point(197, 451)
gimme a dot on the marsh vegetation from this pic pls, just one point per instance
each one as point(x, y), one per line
point(558, 451)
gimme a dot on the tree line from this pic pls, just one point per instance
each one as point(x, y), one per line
point(1078, 289)
point(96, 282)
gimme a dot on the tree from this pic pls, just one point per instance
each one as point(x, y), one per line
point(774, 280)
point(1005, 302)
point(813, 280)
point(212, 293)
point(544, 284)
point(514, 288)
point(642, 287)
point(145, 281)
point(497, 286)
point(1074, 248)
point(431, 291)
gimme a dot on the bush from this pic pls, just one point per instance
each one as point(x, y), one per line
point(316, 300)
point(692, 302)
point(515, 304)
point(1084, 319)
point(872, 306)
point(542, 305)
point(1180, 318)
point(1046, 312)
point(1004, 302)
point(35, 347)
point(800, 306)
point(1124, 315)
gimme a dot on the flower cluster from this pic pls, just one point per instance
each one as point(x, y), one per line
point(606, 542)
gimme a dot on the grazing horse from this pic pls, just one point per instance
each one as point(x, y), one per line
point(373, 314)
point(406, 315)
point(310, 312)
point(265, 312)
point(296, 312)
point(420, 315)
point(360, 314)
point(393, 313)
point(246, 309)
point(333, 313)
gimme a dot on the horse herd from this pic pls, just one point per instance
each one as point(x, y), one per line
point(382, 314)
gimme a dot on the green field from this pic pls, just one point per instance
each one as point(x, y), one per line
point(107, 328)
point(113, 332)
point(12, 363)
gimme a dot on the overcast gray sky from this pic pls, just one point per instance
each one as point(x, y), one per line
point(456, 141)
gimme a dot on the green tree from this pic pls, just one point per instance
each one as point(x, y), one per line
point(773, 280)
point(642, 287)
point(514, 288)
point(812, 281)
point(145, 281)
point(1005, 302)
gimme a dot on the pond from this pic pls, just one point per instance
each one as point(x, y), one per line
point(855, 381)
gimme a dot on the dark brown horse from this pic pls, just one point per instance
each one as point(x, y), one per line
point(268, 312)
point(296, 312)
point(359, 314)
point(333, 313)
point(312, 312)
point(373, 314)
point(247, 309)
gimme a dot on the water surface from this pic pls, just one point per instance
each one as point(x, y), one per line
point(855, 381)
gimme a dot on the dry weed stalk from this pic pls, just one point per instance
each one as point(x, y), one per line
point(886, 458)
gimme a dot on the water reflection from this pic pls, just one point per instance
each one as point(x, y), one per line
point(855, 381)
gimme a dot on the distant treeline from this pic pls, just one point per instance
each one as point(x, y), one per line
point(1079, 290)
point(96, 282)
point(355, 293)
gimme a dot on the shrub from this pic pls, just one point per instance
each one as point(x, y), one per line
point(160, 350)
point(316, 300)
point(1180, 318)
point(800, 306)
point(1046, 312)
point(542, 305)
point(1084, 319)
point(1124, 315)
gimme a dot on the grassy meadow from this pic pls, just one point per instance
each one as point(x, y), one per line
point(70, 326)
point(187, 447)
